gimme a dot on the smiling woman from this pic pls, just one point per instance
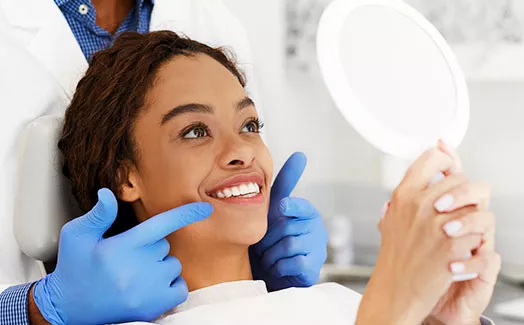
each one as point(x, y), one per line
point(181, 130)
point(163, 121)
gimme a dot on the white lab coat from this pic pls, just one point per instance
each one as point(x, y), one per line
point(40, 65)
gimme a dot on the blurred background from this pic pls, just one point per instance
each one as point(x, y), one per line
point(345, 174)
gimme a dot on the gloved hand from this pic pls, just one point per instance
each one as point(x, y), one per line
point(295, 245)
point(122, 278)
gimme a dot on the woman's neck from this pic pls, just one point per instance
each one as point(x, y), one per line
point(111, 13)
point(204, 267)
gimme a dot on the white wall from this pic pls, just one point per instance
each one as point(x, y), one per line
point(493, 151)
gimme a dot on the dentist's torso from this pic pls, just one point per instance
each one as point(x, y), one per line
point(40, 65)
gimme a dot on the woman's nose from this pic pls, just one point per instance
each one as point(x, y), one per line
point(237, 153)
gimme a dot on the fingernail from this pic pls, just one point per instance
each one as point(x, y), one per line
point(444, 203)
point(437, 178)
point(385, 208)
point(457, 267)
point(453, 227)
point(464, 277)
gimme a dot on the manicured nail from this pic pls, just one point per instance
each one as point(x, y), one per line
point(437, 178)
point(453, 227)
point(385, 208)
point(464, 277)
point(457, 267)
point(444, 203)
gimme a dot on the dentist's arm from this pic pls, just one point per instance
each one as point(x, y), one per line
point(33, 313)
point(128, 277)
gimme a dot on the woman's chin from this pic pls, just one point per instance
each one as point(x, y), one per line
point(245, 230)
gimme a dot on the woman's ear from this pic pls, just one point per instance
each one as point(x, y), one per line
point(129, 185)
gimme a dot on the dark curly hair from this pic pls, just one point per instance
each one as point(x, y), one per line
point(96, 141)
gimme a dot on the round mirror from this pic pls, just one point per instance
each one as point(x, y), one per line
point(392, 76)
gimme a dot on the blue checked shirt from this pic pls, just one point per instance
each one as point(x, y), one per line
point(81, 17)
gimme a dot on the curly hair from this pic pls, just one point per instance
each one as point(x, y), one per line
point(96, 141)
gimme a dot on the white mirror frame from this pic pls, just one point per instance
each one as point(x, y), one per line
point(330, 61)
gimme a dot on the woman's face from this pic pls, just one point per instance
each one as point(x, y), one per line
point(197, 140)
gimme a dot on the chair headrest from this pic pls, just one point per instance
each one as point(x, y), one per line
point(44, 201)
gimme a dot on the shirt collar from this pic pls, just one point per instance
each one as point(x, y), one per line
point(60, 3)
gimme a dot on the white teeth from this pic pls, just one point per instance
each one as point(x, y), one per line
point(245, 190)
point(235, 190)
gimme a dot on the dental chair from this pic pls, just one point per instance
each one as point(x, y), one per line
point(43, 202)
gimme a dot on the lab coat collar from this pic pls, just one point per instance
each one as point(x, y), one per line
point(49, 39)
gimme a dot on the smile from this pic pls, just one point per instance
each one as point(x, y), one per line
point(245, 190)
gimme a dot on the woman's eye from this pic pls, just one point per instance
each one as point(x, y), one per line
point(196, 132)
point(253, 126)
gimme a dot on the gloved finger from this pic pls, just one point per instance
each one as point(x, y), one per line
point(177, 293)
point(163, 224)
point(286, 181)
point(297, 208)
point(478, 222)
point(283, 228)
point(292, 266)
point(303, 270)
point(287, 247)
point(97, 221)
point(159, 250)
point(171, 269)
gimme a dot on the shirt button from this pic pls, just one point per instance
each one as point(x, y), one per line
point(83, 9)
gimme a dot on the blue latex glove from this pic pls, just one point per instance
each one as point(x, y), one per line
point(295, 245)
point(128, 277)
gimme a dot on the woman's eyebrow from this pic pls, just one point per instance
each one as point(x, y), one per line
point(186, 108)
point(201, 108)
point(245, 102)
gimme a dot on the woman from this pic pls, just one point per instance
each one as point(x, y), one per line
point(163, 121)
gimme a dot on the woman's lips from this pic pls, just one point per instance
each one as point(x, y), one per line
point(243, 189)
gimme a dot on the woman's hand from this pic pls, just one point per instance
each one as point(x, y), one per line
point(415, 264)
point(464, 302)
